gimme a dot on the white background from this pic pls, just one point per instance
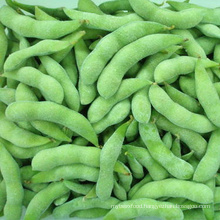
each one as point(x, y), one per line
point(73, 3)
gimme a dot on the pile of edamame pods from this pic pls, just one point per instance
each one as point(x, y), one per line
point(110, 111)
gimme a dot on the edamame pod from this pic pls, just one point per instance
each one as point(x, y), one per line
point(32, 111)
point(183, 20)
point(28, 27)
point(111, 77)
point(116, 115)
point(66, 155)
point(110, 44)
point(210, 15)
point(108, 157)
point(54, 69)
point(101, 106)
point(182, 65)
point(3, 46)
point(68, 172)
point(45, 47)
point(81, 203)
point(156, 171)
point(178, 114)
point(207, 94)
point(176, 188)
point(7, 95)
point(192, 139)
point(11, 132)
point(43, 199)
point(210, 163)
point(33, 77)
point(11, 174)
point(174, 165)
point(103, 22)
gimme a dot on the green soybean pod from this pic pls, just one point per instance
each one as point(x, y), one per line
point(127, 88)
point(43, 199)
point(120, 213)
point(108, 157)
point(176, 188)
point(72, 38)
point(117, 39)
point(111, 7)
point(176, 147)
point(32, 111)
point(187, 156)
point(11, 175)
point(167, 140)
point(186, 119)
point(125, 180)
point(69, 65)
point(132, 131)
point(28, 196)
point(103, 22)
point(24, 93)
point(67, 172)
point(207, 94)
point(26, 173)
point(116, 115)
point(141, 107)
point(187, 85)
point(207, 43)
point(3, 196)
point(81, 203)
point(136, 167)
point(61, 200)
point(119, 191)
point(210, 15)
point(90, 213)
point(7, 95)
point(26, 153)
point(192, 139)
point(77, 187)
point(56, 12)
point(191, 46)
point(80, 141)
point(138, 185)
point(34, 28)
point(179, 168)
point(114, 72)
point(183, 99)
point(66, 155)
point(41, 15)
point(209, 30)
point(3, 46)
point(87, 93)
point(55, 70)
point(169, 69)
point(11, 132)
point(44, 47)
point(33, 77)
point(89, 6)
point(182, 20)
point(209, 164)
point(209, 212)
point(216, 58)
point(156, 171)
